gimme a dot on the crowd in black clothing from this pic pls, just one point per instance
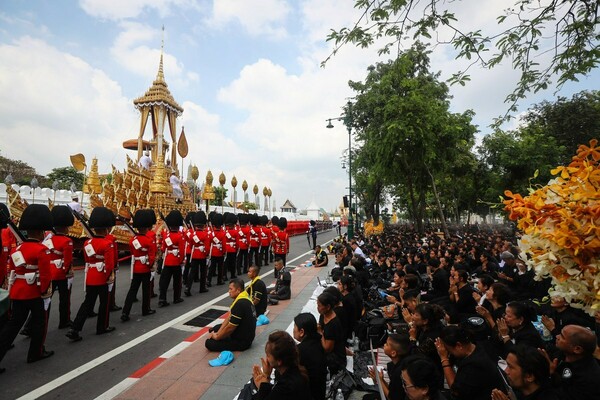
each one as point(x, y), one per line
point(452, 308)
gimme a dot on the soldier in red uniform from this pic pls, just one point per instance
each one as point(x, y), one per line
point(243, 244)
point(200, 250)
point(173, 248)
point(30, 284)
point(265, 240)
point(274, 231)
point(112, 303)
point(188, 232)
point(217, 249)
point(61, 254)
point(143, 254)
point(9, 243)
point(100, 262)
point(231, 246)
point(253, 255)
point(282, 241)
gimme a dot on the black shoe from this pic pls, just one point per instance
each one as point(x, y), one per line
point(208, 284)
point(203, 290)
point(124, 317)
point(187, 293)
point(116, 308)
point(163, 303)
point(25, 332)
point(107, 330)
point(153, 295)
point(92, 314)
point(179, 300)
point(45, 354)
point(73, 335)
point(65, 325)
point(149, 312)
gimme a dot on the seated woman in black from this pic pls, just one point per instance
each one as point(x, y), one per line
point(346, 287)
point(421, 379)
point(291, 380)
point(312, 356)
point(332, 333)
point(517, 328)
point(497, 296)
point(426, 328)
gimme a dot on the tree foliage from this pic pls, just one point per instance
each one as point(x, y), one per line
point(541, 39)
point(21, 172)
point(64, 177)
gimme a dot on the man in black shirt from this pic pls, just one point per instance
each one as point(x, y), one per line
point(257, 290)
point(282, 290)
point(321, 258)
point(238, 330)
point(397, 348)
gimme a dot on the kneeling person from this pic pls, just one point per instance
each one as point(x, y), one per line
point(282, 290)
point(238, 330)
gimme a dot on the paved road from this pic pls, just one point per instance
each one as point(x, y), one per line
point(86, 369)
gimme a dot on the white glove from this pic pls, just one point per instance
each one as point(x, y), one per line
point(47, 303)
point(152, 275)
point(69, 283)
point(110, 287)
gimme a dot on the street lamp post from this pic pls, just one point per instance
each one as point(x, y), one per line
point(347, 120)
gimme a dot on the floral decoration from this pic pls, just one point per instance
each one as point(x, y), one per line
point(561, 229)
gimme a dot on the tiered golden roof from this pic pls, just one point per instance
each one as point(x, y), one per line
point(159, 93)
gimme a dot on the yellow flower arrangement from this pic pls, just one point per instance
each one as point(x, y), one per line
point(561, 229)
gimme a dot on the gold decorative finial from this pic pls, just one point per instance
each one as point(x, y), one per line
point(244, 185)
point(255, 189)
point(222, 179)
point(234, 182)
point(265, 191)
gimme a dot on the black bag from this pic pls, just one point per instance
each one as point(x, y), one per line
point(248, 391)
point(342, 380)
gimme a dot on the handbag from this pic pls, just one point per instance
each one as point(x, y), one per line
point(342, 380)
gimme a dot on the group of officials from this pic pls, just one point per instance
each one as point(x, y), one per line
point(37, 256)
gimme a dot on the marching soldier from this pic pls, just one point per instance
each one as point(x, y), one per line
point(265, 240)
point(274, 231)
point(282, 241)
point(100, 262)
point(200, 249)
point(188, 232)
point(243, 244)
point(231, 244)
point(217, 249)
point(173, 248)
point(9, 243)
point(143, 254)
point(112, 304)
point(253, 255)
point(30, 284)
point(61, 254)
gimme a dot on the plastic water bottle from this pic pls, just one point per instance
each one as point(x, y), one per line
point(339, 395)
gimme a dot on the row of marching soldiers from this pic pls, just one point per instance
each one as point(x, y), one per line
point(35, 265)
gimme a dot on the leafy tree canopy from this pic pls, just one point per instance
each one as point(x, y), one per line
point(64, 177)
point(541, 39)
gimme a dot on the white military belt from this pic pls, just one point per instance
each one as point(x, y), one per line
point(99, 266)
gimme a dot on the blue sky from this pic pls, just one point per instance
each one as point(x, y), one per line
point(246, 72)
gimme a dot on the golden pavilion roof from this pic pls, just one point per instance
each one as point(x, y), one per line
point(159, 93)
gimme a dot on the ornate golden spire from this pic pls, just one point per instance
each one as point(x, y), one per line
point(159, 93)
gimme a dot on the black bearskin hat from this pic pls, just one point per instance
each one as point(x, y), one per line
point(217, 219)
point(264, 220)
point(275, 220)
point(189, 218)
point(254, 219)
point(282, 223)
point(174, 219)
point(200, 218)
point(144, 218)
point(62, 216)
point(102, 217)
point(4, 215)
point(36, 217)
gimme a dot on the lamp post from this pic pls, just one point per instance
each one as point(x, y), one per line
point(34, 185)
point(347, 120)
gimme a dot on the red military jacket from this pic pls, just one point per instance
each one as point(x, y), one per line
point(31, 263)
point(200, 244)
point(143, 251)
point(61, 255)
point(173, 247)
point(217, 242)
point(254, 236)
point(231, 239)
point(243, 237)
point(113, 239)
point(265, 236)
point(9, 243)
point(281, 243)
point(99, 260)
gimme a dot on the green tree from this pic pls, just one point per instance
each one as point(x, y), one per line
point(21, 172)
point(65, 176)
point(220, 196)
point(564, 30)
point(406, 136)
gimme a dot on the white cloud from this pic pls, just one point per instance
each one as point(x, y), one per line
point(60, 105)
point(130, 49)
point(258, 17)
point(119, 9)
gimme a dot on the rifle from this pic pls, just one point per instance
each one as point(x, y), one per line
point(308, 238)
point(86, 228)
point(13, 228)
